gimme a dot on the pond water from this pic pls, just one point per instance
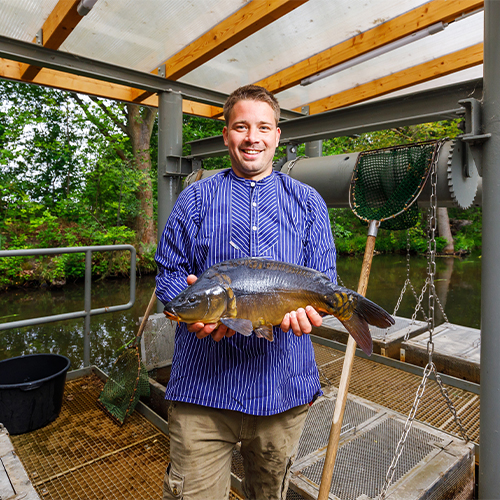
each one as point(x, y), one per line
point(458, 284)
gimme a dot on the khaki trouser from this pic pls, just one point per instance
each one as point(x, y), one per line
point(201, 445)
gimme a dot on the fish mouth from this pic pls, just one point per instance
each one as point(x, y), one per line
point(171, 315)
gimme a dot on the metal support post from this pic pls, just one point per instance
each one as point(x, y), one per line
point(87, 307)
point(314, 149)
point(489, 454)
point(169, 147)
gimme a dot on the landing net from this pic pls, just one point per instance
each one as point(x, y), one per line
point(386, 183)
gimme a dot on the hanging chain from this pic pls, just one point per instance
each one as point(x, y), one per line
point(430, 367)
point(401, 444)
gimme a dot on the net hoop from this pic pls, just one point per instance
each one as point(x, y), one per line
point(387, 182)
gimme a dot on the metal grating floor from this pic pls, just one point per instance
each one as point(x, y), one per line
point(396, 390)
point(85, 454)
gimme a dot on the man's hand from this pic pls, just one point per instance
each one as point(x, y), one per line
point(301, 321)
point(203, 330)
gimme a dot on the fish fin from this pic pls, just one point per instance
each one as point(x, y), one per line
point(243, 326)
point(265, 331)
point(373, 313)
point(358, 328)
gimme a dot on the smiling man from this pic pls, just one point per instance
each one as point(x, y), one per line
point(225, 388)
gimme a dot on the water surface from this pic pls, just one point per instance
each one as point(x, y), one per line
point(458, 284)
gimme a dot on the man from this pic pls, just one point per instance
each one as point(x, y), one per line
point(226, 388)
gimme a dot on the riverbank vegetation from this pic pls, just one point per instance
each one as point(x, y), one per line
point(78, 171)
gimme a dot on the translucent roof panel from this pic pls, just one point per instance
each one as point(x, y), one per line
point(22, 19)
point(456, 36)
point(142, 35)
point(309, 29)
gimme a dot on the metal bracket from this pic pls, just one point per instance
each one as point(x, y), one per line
point(39, 37)
point(473, 137)
point(162, 71)
point(183, 166)
point(291, 152)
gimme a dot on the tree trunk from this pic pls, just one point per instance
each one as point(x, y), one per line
point(444, 229)
point(139, 128)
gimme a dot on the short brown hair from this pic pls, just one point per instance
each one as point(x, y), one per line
point(251, 93)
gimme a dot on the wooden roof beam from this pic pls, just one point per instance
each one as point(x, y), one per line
point(12, 70)
point(57, 27)
point(254, 16)
point(442, 66)
point(394, 29)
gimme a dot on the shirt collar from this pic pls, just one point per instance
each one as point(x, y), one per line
point(262, 182)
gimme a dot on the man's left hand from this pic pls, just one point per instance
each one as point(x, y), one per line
point(301, 321)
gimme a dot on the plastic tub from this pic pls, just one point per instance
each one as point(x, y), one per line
point(31, 391)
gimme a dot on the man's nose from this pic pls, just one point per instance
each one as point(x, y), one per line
point(252, 134)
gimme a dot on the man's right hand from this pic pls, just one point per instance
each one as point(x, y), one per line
point(203, 330)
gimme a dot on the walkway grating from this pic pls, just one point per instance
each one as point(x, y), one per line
point(85, 454)
point(396, 390)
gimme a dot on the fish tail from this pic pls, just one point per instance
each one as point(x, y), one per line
point(366, 313)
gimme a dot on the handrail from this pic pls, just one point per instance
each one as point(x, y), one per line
point(88, 311)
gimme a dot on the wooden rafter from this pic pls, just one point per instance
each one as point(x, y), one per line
point(65, 81)
point(57, 27)
point(394, 29)
point(441, 66)
point(254, 16)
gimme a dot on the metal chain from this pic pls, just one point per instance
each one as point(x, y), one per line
point(430, 367)
point(418, 307)
point(451, 407)
point(409, 422)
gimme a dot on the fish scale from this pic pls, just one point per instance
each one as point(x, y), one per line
point(252, 295)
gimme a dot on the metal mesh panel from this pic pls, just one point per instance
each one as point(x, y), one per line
point(386, 182)
point(362, 463)
point(157, 342)
point(86, 454)
point(319, 422)
point(458, 484)
point(396, 390)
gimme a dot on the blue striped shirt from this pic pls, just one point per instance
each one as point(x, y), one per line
point(226, 217)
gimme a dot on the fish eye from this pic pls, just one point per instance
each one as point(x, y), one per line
point(192, 299)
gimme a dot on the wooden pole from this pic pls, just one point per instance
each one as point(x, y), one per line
point(338, 414)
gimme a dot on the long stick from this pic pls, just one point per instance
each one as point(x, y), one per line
point(152, 302)
point(345, 377)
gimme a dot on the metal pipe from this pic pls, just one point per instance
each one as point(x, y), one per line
point(331, 177)
point(87, 307)
point(169, 147)
point(87, 312)
point(489, 478)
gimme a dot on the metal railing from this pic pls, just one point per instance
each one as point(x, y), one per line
point(88, 311)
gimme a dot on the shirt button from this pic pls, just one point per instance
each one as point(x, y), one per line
point(254, 204)
point(254, 228)
point(252, 184)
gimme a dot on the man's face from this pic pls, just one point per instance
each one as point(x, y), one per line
point(252, 137)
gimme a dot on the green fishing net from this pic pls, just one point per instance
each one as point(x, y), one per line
point(127, 382)
point(386, 183)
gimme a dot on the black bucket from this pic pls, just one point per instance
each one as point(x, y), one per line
point(31, 391)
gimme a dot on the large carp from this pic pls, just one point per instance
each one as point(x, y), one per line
point(254, 294)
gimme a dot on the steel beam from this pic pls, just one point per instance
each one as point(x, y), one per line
point(422, 107)
point(36, 55)
point(489, 477)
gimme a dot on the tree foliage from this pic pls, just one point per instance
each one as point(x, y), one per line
point(76, 170)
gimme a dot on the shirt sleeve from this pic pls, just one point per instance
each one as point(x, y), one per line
point(320, 252)
point(173, 255)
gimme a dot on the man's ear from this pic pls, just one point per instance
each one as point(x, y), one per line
point(224, 134)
